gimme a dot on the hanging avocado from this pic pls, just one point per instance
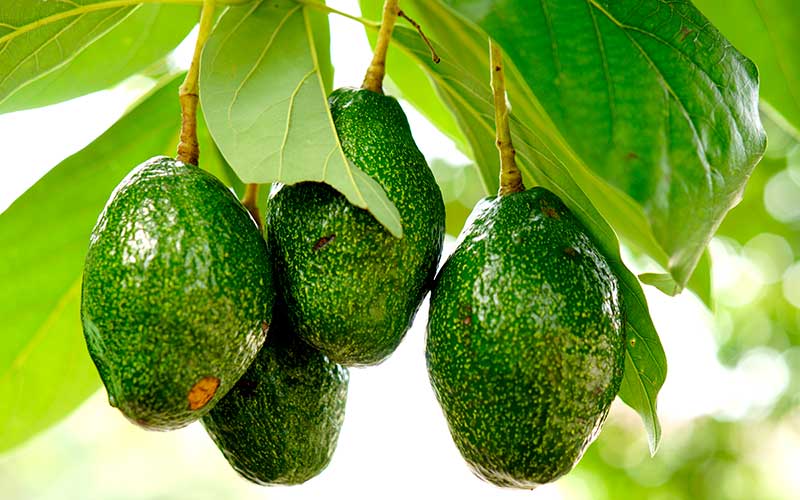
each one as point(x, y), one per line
point(352, 289)
point(177, 293)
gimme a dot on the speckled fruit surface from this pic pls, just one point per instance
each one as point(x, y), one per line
point(525, 344)
point(351, 288)
point(281, 422)
point(177, 293)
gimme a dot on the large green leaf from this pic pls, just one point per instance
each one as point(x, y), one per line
point(462, 81)
point(37, 37)
point(265, 101)
point(652, 99)
point(699, 283)
point(45, 371)
point(83, 66)
point(767, 32)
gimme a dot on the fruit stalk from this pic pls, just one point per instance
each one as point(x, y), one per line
point(188, 94)
point(510, 176)
point(373, 80)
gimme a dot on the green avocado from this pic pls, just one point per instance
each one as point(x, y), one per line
point(351, 288)
point(177, 293)
point(280, 423)
point(526, 341)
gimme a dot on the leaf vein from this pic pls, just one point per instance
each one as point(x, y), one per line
point(260, 58)
point(289, 119)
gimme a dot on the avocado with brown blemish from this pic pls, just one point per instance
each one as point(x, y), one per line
point(352, 289)
point(177, 293)
point(526, 340)
point(281, 422)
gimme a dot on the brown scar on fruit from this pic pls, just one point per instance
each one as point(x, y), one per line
point(631, 156)
point(685, 32)
point(264, 327)
point(467, 319)
point(202, 392)
point(570, 252)
point(549, 211)
point(323, 241)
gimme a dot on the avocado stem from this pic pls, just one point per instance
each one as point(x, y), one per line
point(434, 55)
point(188, 94)
point(250, 202)
point(373, 80)
point(510, 175)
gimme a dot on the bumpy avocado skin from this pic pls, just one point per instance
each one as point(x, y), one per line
point(352, 289)
point(525, 345)
point(281, 422)
point(177, 293)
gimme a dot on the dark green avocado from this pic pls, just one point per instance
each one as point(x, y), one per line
point(280, 423)
point(351, 288)
point(177, 293)
point(526, 340)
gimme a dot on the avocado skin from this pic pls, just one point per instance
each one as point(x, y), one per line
point(281, 421)
point(177, 286)
point(526, 343)
point(351, 288)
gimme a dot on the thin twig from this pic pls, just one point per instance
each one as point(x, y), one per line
point(434, 55)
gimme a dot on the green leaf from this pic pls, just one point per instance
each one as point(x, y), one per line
point(319, 26)
point(45, 371)
point(699, 283)
point(263, 94)
point(767, 32)
point(653, 101)
point(37, 37)
point(84, 64)
point(462, 79)
point(212, 159)
point(663, 282)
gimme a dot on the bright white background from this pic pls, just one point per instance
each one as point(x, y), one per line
point(395, 443)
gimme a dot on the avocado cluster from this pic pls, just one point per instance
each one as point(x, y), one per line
point(191, 312)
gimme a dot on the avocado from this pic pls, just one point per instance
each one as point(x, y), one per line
point(177, 293)
point(280, 422)
point(352, 289)
point(526, 342)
